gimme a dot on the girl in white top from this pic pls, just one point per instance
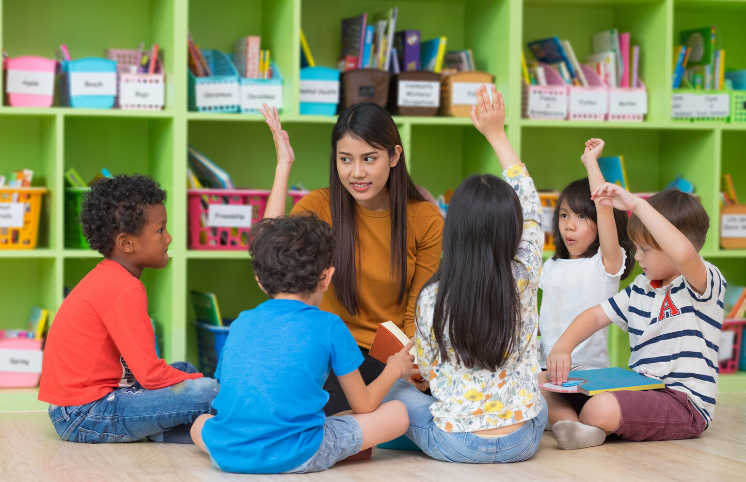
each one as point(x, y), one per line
point(592, 254)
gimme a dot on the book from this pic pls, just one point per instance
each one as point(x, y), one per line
point(208, 173)
point(733, 298)
point(635, 66)
point(306, 59)
point(389, 340)
point(550, 51)
point(624, 52)
point(73, 179)
point(721, 70)
point(206, 308)
point(101, 174)
point(247, 56)
point(701, 42)
point(353, 38)
point(612, 168)
point(574, 62)
point(524, 69)
point(458, 60)
point(368, 46)
point(37, 323)
point(727, 187)
point(608, 59)
point(608, 41)
point(394, 67)
point(379, 43)
point(599, 380)
point(388, 41)
point(407, 45)
point(678, 71)
point(432, 53)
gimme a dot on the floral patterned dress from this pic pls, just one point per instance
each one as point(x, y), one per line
point(472, 399)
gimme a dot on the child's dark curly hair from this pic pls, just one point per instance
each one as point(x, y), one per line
point(289, 253)
point(117, 205)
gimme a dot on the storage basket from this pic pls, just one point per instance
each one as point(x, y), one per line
point(218, 93)
point(73, 206)
point(20, 210)
point(365, 85)
point(20, 362)
point(548, 202)
point(221, 219)
point(458, 92)
point(210, 342)
point(319, 91)
point(547, 102)
point(29, 81)
point(733, 328)
point(688, 105)
point(415, 93)
point(589, 103)
point(628, 105)
point(296, 195)
point(88, 83)
point(137, 91)
point(738, 106)
point(255, 92)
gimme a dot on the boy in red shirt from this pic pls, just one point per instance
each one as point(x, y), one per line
point(100, 373)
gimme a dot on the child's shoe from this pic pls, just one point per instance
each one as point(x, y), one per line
point(362, 455)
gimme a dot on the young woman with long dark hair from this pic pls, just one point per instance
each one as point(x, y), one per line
point(477, 320)
point(388, 237)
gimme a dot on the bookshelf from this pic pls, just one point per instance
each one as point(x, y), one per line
point(440, 151)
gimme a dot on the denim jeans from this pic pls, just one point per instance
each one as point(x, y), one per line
point(130, 414)
point(464, 447)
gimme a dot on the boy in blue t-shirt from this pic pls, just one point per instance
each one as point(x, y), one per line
point(270, 416)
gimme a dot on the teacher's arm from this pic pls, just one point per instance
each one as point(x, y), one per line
point(428, 235)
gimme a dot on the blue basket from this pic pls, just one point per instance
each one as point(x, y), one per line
point(249, 84)
point(93, 65)
point(225, 75)
point(319, 74)
point(210, 342)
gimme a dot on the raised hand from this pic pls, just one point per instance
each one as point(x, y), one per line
point(593, 150)
point(609, 194)
point(489, 117)
point(285, 154)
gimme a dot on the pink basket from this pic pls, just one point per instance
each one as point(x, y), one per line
point(151, 93)
point(18, 379)
point(555, 88)
point(32, 79)
point(202, 236)
point(618, 96)
point(589, 103)
point(736, 326)
point(297, 195)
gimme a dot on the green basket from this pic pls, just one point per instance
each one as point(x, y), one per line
point(738, 107)
point(73, 205)
point(704, 93)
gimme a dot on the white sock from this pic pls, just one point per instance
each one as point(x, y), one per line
point(548, 427)
point(576, 435)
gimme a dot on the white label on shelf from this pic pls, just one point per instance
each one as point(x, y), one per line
point(216, 94)
point(229, 215)
point(548, 219)
point(28, 361)
point(418, 94)
point(589, 101)
point(465, 93)
point(93, 83)
point(727, 340)
point(733, 226)
point(139, 93)
point(715, 105)
point(545, 104)
point(319, 91)
point(30, 82)
point(683, 105)
point(628, 102)
point(11, 215)
point(254, 95)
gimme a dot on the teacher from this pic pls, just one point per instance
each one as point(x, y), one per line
point(388, 236)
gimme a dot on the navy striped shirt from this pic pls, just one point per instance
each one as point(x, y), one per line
point(674, 333)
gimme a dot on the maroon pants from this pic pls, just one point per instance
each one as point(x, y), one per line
point(651, 415)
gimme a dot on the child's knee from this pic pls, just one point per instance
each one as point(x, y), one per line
point(601, 411)
point(399, 416)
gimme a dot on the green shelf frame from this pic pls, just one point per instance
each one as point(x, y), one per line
point(440, 152)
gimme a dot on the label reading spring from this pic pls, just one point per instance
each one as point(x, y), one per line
point(319, 91)
point(418, 94)
point(733, 226)
point(216, 94)
point(27, 361)
point(30, 82)
point(465, 93)
point(229, 215)
point(145, 92)
point(93, 83)
point(254, 95)
point(11, 215)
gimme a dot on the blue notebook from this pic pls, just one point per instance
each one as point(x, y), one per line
point(613, 379)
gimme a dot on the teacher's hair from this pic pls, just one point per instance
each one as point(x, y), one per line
point(371, 124)
point(477, 307)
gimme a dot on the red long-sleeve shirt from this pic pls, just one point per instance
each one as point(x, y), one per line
point(102, 339)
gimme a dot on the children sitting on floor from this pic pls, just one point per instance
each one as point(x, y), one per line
point(673, 313)
point(270, 416)
point(100, 371)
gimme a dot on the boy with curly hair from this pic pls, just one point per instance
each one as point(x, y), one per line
point(100, 374)
point(270, 410)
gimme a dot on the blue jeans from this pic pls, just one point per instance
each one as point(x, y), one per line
point(130, 414)
point(464, 447)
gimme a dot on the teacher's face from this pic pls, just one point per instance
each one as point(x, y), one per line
point(364, 171)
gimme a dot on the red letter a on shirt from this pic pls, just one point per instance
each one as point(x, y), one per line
point(668, 309)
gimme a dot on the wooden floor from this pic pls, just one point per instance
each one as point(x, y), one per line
point(31, 450)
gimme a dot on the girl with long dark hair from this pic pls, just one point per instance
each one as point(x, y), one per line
point(388, 237)
point(476, 318)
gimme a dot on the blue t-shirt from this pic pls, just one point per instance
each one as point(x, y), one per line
point(270, 406)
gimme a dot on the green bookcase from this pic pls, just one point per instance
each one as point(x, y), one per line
point(440, 151)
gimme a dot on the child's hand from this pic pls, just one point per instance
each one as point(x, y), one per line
point(489, 118)
point(593, 149)
point(558, 367)
point(403, 362)
point(612, 195)
point(285, 154)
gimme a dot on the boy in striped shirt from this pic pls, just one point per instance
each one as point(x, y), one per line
point(673, 313)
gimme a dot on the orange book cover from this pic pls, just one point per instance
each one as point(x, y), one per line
point(389, 340)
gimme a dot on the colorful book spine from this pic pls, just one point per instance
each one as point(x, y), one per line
point(247, 56)
point(407, 44)
point(369, 34)
point(635, 66)
point(678, 72)
point(624, 50)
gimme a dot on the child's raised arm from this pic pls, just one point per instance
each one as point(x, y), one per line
point(611, 253)
point(285, 157)
point(671, 240)
point(490, 121)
